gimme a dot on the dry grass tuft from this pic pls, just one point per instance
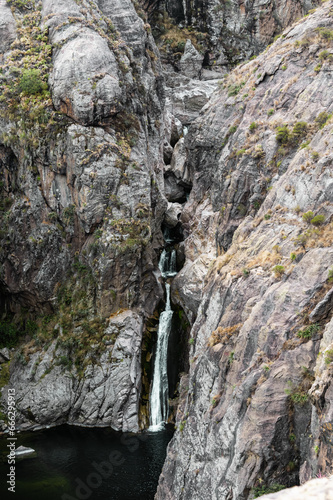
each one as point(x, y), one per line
point(222, 335)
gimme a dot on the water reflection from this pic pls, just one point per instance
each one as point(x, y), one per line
point(76, 463)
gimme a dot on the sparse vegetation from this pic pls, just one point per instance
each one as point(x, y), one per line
point(258, 491)
point(322, 119)
point(278, 271)
point(283, 134)
point(329, 356)
point(325, 33)
point(297, 395)
point(234, 89)
point(318, 220)
point(309, 331)
point(222, 335)
point(308, 216)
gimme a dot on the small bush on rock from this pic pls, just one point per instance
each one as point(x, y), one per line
point(278, 271)
point(31, 82)
point(308, 216)
point(318, 220)
point(283, 134)
point(258, 491)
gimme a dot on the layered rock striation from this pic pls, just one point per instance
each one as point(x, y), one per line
point(258, 407)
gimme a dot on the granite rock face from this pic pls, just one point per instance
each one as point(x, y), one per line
point(233, 30)
point(82, 205)
point(256, 281)
point(107, 395)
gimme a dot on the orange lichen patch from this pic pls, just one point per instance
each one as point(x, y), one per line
point(222, 335)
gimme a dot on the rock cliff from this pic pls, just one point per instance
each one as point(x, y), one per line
point(82, 133)
point(256, 407)
point(225, 31)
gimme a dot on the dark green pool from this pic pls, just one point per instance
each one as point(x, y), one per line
point(75, 463)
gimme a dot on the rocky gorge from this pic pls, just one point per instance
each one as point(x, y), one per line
point(123, 122)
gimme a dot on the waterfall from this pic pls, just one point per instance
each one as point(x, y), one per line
point(160, 391)
point(168, 263)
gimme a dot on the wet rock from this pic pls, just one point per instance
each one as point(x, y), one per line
point(173, 191)
point(172, 214)
point(23, 451)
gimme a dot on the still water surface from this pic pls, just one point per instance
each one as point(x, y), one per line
point(64, 466)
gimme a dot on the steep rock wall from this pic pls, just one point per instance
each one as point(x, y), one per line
point(81, 205)
point(256, 406)
point(233, 29)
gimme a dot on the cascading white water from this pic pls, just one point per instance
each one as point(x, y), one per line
point(168, 263)
point(163, 262)
point(173, 263)
point(160, 391)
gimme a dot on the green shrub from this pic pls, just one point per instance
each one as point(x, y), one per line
point(318, 220)
point(258, 491)
point(278, 271)
point(253, 126)
point(267, 216)
point(65, 361)
point(293, 256)
point(323, 55)
point(299, 398)
point(308, 331)
point(329, 356)
point(19, 4)
point(330, 274)
point(292, 438)
point(315, 156)
point(325, 33)
point(9, 334)
point(299, 130)
point(270, 112)
point(231, 131)
point(304, 144)
point(317, 68)
point(283, 135)
point(182, 425)
point(308, 216)
point(234, 89)
point(31, 82)
point(322, 118)
point(68, 214)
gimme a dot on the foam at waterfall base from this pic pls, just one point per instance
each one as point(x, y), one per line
point(157, 428)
